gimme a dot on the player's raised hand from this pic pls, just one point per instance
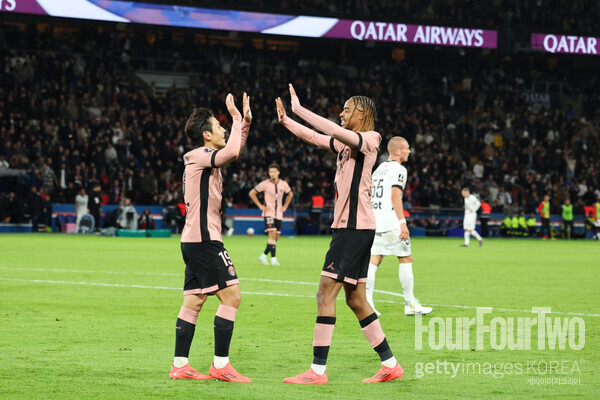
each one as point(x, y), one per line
point(294, 96)
point(280, 110)
point(246, 108)
point(229, 102)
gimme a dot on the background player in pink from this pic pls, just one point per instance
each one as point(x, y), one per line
point(347, 261)
point(209, 269)
point(273, 209)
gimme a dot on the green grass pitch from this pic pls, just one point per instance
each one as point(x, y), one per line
point(94, 317)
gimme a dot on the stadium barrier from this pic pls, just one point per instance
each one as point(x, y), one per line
point(64, 214)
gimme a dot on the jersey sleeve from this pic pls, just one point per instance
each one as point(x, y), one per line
point(369, 141)
point(286, 188)
point(398, 177)
point(260, 187)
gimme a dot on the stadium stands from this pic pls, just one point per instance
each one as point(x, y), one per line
point(512, 126)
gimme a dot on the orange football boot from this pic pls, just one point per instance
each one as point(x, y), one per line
point(227, 373)
point(187, 372)
point(386, 374)
point(310, 377)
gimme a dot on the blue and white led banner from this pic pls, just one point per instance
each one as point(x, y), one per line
point(243, 21)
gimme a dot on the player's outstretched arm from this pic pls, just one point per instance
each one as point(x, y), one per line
point(346, 136)
point(231, 151)
point(304, 133)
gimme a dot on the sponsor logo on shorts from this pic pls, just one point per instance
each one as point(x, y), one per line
point(231, 271)
point(330, 266)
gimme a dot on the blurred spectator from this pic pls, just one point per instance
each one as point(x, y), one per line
point(94, 204)
point(36, 208)
point(146, 221)
point(11, 209)
point(128, 217)
point(81, 206)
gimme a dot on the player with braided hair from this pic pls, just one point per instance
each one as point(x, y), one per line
point(356, 144)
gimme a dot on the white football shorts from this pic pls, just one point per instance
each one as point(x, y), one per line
point(389, 243)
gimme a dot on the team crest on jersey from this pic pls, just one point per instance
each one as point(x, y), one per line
point(231, 271)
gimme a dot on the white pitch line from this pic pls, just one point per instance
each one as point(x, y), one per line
point(251, 293)
point(89, 271)
point(118, 285)
point(143, 273)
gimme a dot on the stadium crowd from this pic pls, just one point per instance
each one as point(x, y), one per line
point(73, 114)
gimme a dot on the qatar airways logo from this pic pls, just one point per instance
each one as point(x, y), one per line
point(419, 34)
point(565, 44)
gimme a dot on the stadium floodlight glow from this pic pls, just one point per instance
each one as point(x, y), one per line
point(243, 21)
point(567, 44)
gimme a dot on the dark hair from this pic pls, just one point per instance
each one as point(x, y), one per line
point(197, 123)
point(275, 166)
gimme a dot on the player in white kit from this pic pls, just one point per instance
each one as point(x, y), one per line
point(472, 204)
point(392, 236)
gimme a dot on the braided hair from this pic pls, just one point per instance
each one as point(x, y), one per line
point(367, 107)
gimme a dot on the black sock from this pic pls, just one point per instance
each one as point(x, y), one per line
point(223, 333)
point(273, 250)
point(267, 250)
point(184, 334)
point(320, 353)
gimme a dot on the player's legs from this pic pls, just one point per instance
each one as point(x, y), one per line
point(223, 327)
point(271, 231)
point(185, 327)
point(371, 328)
point(224, 320)
point(406, 277)
point(273, 236)
point(322, 334)
point(405, 273)
point(374, 262)
point(326, 298)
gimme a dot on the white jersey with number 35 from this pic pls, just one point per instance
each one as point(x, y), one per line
point(385, 177)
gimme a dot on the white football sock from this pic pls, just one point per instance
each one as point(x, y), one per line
point(477, 236)
point(318, 368)
point(390, 362)
point(407, 281)
point(370, 285)
point(220, 362)
point(467, 238)
point(179, 362)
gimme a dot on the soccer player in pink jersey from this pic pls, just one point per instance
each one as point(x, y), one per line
point(347, 261)
point(209, 269)
point(273, 209)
